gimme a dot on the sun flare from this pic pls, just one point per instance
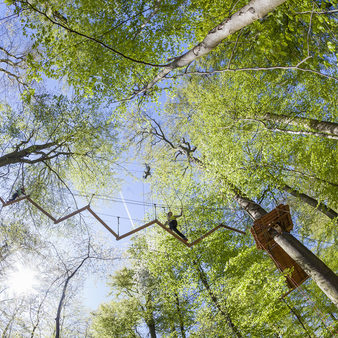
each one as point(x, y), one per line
point(22, 280)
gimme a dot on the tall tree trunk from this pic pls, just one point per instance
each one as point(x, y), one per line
point(152, 329)
point(63, 295)
point(182, 329)
point(321, 274)
point(324, 127)
point(311, 201)
point(20, 156)
point(215, 300)
point(150, 321)
point(299, 318)
point(254, 10)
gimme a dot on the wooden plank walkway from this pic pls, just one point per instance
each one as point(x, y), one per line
point(117, 237)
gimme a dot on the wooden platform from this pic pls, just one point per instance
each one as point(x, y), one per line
point(280, 220)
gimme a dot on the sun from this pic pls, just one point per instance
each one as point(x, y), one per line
point(22, 280)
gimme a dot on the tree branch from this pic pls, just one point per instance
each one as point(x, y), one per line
point(67, 28)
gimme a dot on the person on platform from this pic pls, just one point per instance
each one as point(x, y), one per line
point(17, 194)
point(172, 222)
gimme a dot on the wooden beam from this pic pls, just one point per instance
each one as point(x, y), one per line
point(233, 229)
point(172, 233)
point(205, 235)
point(137, 229)
point(71, 214)
point(42, 210)
point(5, 204)
point(102, 222)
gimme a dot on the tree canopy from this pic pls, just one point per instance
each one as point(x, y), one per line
point(231, 106)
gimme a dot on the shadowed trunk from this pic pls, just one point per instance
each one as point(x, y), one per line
point(182, 329)
point(150, 321)
point(215, 300)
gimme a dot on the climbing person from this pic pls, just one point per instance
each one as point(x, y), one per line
point(17, 194)
point(173, 223)
point(147, 171)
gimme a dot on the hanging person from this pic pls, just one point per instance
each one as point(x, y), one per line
point(146, 171)
point(17, 194)
point(173, 224)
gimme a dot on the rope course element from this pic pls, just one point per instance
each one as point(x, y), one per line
point(117, 235)
point(143, 203)
point(280, 220)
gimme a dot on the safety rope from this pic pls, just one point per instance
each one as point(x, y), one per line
point(117, 236)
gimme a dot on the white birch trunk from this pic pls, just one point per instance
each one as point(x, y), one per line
point(253, 11)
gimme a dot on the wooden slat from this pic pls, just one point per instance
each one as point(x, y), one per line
point(102, 222)
point(42, 210)
point(233, 229)
point(5, 204)
point(71, 214)
point(137, 229)
point(283, 261)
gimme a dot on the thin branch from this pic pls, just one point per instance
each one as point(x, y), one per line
point(309, 31)
point(233, 50)
point(256, 69)
point(297, 316)
point(10, 74)
point(314, 12)
point(62, 25)
point(148, 19)
point(11, 55)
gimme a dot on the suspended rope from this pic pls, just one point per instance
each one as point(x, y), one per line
point(116, 235)
point(143, 203)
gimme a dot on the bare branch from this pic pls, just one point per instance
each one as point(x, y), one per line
point(315, 12)
point(257, 69)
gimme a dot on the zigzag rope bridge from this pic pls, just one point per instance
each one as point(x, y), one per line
point(117, 236)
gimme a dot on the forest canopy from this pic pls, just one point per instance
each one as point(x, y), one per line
point(230, 109)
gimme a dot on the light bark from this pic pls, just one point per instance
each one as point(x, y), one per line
point(312, 202)
point(325, 127)
point(253, 11)
point(321, 274)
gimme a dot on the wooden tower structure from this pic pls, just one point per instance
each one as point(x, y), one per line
point(280, 220)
